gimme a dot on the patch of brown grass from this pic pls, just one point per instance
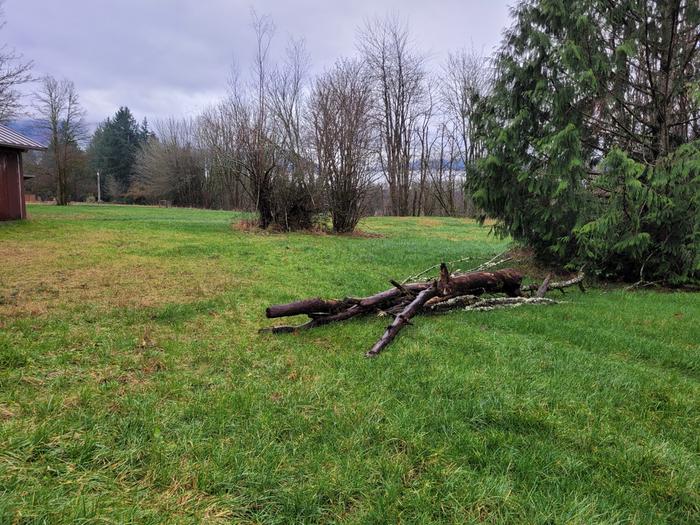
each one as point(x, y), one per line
point(38, 277)
point(251, 226)
point(247, 226)
point(183, 497)
point(6, 413)
point(428, 222)
point(363, 234)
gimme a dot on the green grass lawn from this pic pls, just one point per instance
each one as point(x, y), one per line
point(134, 387)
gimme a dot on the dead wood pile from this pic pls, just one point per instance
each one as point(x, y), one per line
point(477, 290)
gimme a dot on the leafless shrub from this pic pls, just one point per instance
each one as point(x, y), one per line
point(172, 166)
point(296, 192)
point(217, 131)
point(340, 115)
point(255, 134)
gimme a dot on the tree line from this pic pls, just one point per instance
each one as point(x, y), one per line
point(373, 134)
point(580, 135)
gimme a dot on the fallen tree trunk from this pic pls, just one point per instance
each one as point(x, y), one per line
point(308, 306)
point(316, 321)
point(403, 319)
point(392, 294)
point(478, 283)
point(406, 300)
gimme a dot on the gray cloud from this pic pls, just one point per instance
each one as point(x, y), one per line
point(173, 57)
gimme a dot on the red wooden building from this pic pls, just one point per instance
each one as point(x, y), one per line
point(12, 145)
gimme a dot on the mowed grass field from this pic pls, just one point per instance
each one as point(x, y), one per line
point(134, 387)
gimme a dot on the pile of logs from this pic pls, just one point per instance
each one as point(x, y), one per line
point(404, 301)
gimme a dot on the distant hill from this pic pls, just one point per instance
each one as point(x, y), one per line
point(30, 128)
point(34, 129)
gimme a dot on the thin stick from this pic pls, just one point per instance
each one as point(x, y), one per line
point(414, 277)
point(578, 280)
point(402, 288)
point(494, 261)
point(507, 302)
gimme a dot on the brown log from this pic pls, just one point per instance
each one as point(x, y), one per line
point(397, 307)
point(309, 306)
point(477, 283)
point(403, 319)
point(318, 321)
point(375, 301)
point(398, 300)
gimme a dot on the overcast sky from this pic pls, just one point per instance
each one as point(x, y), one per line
point(173, 57)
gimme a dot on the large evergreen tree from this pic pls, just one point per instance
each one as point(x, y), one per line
point(591, 103)
point(114, 148)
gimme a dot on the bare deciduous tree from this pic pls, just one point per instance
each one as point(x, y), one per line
point(295, 192)
point(286, 101)
point(467, 79)
point(340, 114)
point(58, 108)
point(14, 71)
point(251, 112)
point(425, 141)
point(261, 124)
point(397, 73)
point(172, 166)
point(444, 175)
point(218, 135)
